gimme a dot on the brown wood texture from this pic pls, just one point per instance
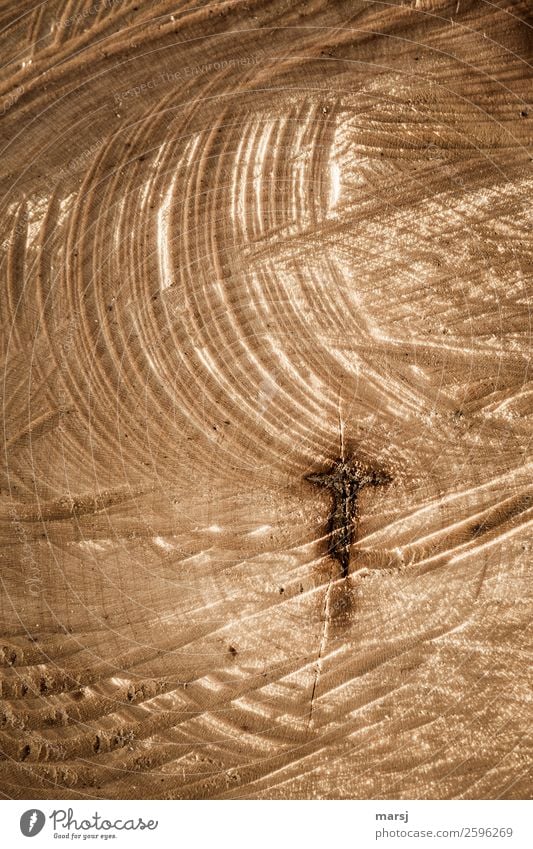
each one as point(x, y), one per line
point(231, 231)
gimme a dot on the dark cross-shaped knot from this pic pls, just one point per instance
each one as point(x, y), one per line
point(345, 479)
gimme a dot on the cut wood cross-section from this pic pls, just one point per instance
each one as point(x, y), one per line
point(241, 243)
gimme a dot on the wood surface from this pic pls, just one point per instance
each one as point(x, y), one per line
point(239, 239)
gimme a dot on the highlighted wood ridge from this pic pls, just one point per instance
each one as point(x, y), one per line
point(345, 479)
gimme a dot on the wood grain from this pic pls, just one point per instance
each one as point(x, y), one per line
point(229, 231)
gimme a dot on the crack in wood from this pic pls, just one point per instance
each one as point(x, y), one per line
point(345, 479)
